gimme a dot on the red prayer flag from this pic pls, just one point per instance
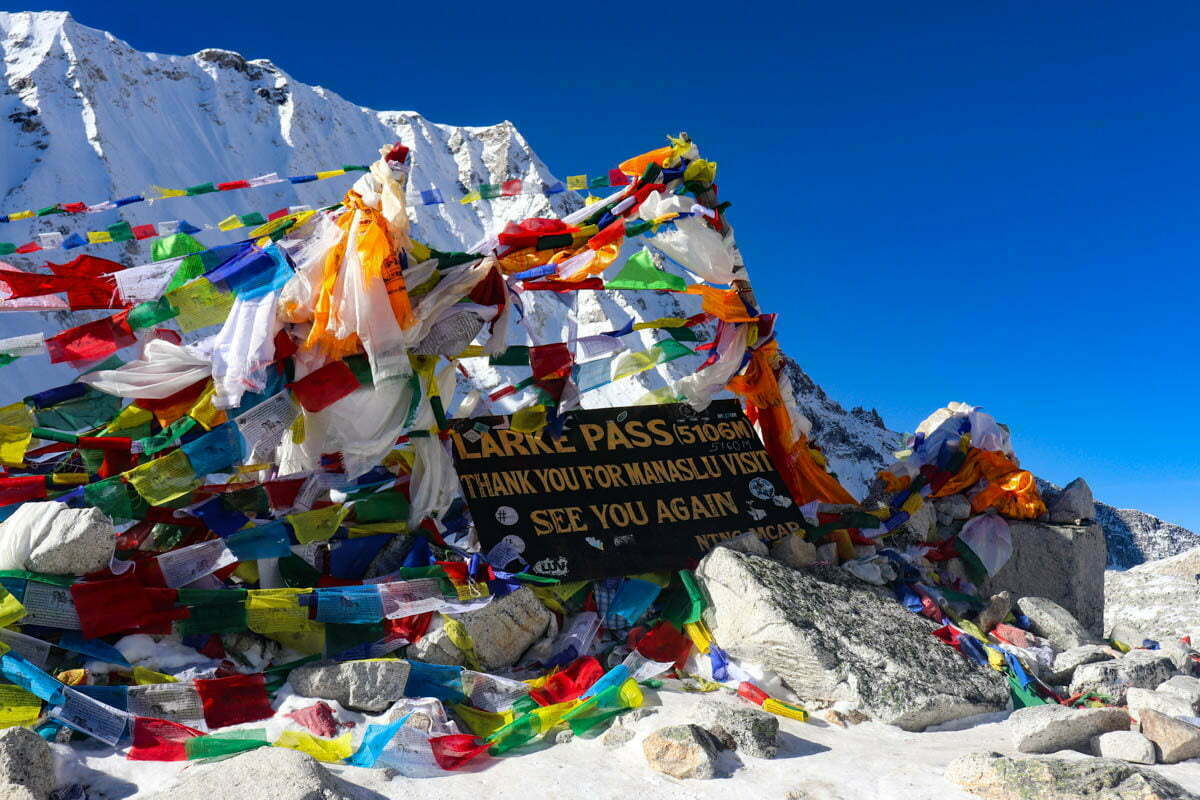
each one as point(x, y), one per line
point(160, 740)
point(233, 700)
point(85, 264)
point(144, 232)
point(562, 286)
point(665, 644)
point(29, 247)
point(324, 387)
point(228, 185)
point(452, 752)
point(73, 208)
point(617, 178)
point(550, 360)
point(283, 212)
point(409, 628)
point(22, 488)
point(612, 233)
point(110, 606)
point(569, 683)
point(511, 188)
point(92, 341)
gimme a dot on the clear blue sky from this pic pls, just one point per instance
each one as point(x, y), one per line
point(947, 202)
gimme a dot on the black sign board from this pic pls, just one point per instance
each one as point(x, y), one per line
point(622, 491)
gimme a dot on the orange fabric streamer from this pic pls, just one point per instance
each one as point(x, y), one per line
point(637, 165)
point(1010, 490)
point(805, 479)
point(724, 304)
point(523, 259)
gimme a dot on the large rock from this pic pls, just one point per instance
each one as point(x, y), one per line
point(26, 760)
point(1071, 505)
point(1184, 686)
point(1066, 662)
point(268, 773)
point(1125, 745)
point(1050, 728)
point(998, 777)
point(755, 731)
point(682, 751)
point(53, 538)
point(1140, 700)
point(1176, 740)
point(1140, 669)
point(1064, 563)
point(500, 632)
point(794, 551)
point(370, 686)
point(1054, 623)
point(832, 637)
point(1158, 598)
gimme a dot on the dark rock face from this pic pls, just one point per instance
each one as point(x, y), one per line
point(997, 777)
point(832, 637)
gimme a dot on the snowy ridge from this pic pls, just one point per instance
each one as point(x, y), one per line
point(86, 117)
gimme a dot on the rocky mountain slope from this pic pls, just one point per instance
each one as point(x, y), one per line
point(86, 117)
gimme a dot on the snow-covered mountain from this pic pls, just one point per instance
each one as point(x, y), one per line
point(1135, 537)
point(85, 117)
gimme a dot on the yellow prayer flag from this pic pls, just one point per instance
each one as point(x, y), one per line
point(204, 412)
point(163, 479)
point(13, 443)
point(328, 750)
point(420, 252)
point(230, 223)
point(17, 415)
point(309, 640)
point(20, 215)
point(99, 237)
point(318, 525)
point(633, 363)
point(529, 420)
point(18, 707)
point(661, 322)
point(275, 610)
point(577, 181)
point(145, 677)
point(330, 173)
point(165, 192)
point(73, 677)
point(130, 417)
point(483, 723)
point(11, 609)
point(200, 304)
point(591, 200)
point(470, 197)
point(701, 170)
point(472, 351)
point(69, 479)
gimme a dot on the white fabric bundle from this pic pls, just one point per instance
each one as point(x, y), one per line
point(164, 369)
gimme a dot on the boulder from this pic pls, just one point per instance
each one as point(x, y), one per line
point(1139, 700)
point(747, 543)
point(997, 609)
point(996, 777)
point(952, 508)
point(1140, 669)
point(1184, 686)
point(53, 538)
point(1050, 728)
point(1054, 623)
point(1176, 740)
point(268, 773)
point(755, 731)
point(1063, 563)
point(370, 686)
point(1066, 662)
point(15, 791)
point(794, 551)
point(922, 525)
point(1073, 504)
point(1158, 599)
point(833, 638)
point(26, 761)
point(1181, 655)
point(500, 632)
point(616, 736)
point(1125, 745)
point(682, 751)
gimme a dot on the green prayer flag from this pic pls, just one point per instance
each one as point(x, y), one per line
point(640, 272)
point(120, 232)
point(167, 436)
point(201, 188)
point(598, 182)
point(361, 368)
point(489, 190)
point(683, 334)
point(208, 619)
point(382, 507)
point(93, 409)
point(516, 355)
point(254, 218)
point(225, 744)
point(116, 498)
point(144, 315)
point(7, 248)
point(48, 210)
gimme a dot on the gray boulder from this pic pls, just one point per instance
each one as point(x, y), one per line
point(1054, 623)
point(996, 777)
point(794, 551)
point(1063, 563)
point(1126, 745)
point(953, 508)
point(370, 686)
point(831, 637)
point(53, 538)
point(1180, 655)
point(997, 609)
point(756, 732)
point(268, 773)
point(1066, 662)
point(1184, 686)
point(1139, 700)
point(500, 633)
point(1176, 740)
point(1140, 669)
point(682, 751)
point(15, 791)
point(1050, 728)
point(1072, 505)
point(747, 543)
point(26, 761)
